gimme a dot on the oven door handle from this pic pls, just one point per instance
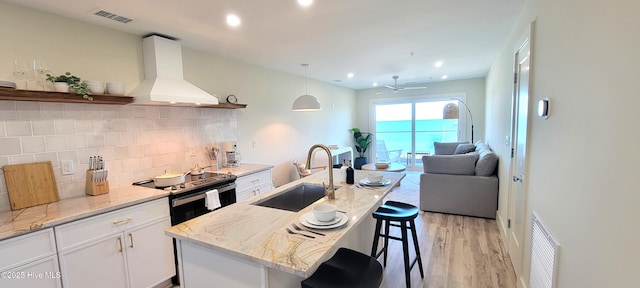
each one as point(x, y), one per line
point(200, 195)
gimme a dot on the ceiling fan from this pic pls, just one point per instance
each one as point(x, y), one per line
point(395, 88)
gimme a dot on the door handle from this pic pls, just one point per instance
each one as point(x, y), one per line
point(119, 244)
point(131, 240)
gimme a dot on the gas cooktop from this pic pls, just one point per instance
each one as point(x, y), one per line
point(192, 182)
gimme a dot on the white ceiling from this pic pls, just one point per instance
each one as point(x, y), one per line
point(374, 39)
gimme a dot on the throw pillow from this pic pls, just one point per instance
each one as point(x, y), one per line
point(464, 149)
point(487, 164)
point(463, 164)
point(446, 148)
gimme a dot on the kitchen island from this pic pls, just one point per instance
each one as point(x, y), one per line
point(245, 245)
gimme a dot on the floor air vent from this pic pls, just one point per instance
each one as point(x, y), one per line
point(544, 256)
point(112, 16)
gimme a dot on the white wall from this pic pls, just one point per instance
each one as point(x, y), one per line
point(474, 89)
point(582, 165)
point(96, 53)
point(280, 134)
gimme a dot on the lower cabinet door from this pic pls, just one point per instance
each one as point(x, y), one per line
point(97, 264)
point(150, 254)
point(43, 273)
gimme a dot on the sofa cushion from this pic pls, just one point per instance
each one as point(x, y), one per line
point(462, 164)
point(464, 149)
point(446, 148)
point(487, 163)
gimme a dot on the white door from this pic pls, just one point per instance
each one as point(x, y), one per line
point(519, 118)
point(150, 254)
point(99, 264)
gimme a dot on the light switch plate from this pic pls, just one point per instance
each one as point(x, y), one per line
point(67, 167)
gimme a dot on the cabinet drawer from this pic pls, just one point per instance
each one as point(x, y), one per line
point(254, 180)
point(26, 248)
point(78, 232)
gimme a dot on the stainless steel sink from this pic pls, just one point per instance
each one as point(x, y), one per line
point(294, 198)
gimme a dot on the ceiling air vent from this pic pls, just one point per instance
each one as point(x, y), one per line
point(112, 16)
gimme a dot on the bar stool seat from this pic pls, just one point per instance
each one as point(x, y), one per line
point(348, 269)
point(393, 211)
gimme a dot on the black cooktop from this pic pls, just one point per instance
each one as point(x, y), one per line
point(193, 182)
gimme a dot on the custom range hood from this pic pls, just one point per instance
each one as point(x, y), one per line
point(164, 83)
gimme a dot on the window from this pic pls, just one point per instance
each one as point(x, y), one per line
point(406, 129)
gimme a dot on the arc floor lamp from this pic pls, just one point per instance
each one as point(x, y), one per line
point(451, 111)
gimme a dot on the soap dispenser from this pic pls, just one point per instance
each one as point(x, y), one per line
point(343, 171)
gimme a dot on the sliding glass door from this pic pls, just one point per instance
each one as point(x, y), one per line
point(406, 129)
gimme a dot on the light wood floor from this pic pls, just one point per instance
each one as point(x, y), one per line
point(456, 251)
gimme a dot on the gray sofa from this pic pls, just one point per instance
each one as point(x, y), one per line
point(461, 178)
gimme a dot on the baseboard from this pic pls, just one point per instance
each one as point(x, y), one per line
point(502, 227)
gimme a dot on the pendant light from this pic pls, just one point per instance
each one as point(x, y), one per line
point(306, 102)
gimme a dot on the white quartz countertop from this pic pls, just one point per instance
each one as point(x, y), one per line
point(254, 233)
point(243, 169)
point(18, 222)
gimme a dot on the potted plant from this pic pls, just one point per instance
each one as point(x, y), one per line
point(362, 142)
point(66, 81)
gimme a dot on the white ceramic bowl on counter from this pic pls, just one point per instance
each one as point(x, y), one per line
point(325, 212)
point(374, 177)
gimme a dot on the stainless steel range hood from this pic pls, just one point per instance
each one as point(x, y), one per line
point(164, 83)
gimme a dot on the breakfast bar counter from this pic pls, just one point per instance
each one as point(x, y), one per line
point(246, 245)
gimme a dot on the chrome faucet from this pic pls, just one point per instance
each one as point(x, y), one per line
point(330, 191)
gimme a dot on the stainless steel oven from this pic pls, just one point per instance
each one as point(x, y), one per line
point(192, 205)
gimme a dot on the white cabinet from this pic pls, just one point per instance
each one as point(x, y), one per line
point(123, 248)
point(253, 184)
point(29, 261)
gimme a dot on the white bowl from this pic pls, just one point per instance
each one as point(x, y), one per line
point(96, 89)
point(325, 212)
point(374, 177)
point(115, 88)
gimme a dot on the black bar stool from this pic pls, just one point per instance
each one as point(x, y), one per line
point(392, 211)
point(348, 269)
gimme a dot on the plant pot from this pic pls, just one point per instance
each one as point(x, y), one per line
point(61, 86)
point(359, 161)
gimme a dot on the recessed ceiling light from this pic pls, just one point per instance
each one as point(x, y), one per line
point(375, 84)
point(438, 64)
point(305, 2)
point(350, 75)
point(445, 77)
point(233, 20)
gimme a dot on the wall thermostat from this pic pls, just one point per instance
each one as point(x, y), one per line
point(232, 99)
point(543, 108)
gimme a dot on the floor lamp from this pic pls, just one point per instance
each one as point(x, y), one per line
point(451, 111)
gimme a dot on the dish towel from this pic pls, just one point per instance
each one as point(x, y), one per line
point(212, 199)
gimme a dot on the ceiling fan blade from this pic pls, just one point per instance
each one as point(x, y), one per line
point(380, 92)
point(414, 87)
point(389, 86)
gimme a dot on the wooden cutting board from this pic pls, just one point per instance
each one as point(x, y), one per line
point(30, 184)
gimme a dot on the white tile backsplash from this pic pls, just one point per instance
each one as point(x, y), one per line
point(136, 142)
point(33, 144)
point(18, 128)
point(10, 146)
point(42, 127)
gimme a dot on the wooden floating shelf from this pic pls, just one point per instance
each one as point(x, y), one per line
point(225, 106)
point(50, 96)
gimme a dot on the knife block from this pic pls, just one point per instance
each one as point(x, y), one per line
point(95, 188)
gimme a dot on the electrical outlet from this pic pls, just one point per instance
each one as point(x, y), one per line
point(67, 167)
point(253, 142)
